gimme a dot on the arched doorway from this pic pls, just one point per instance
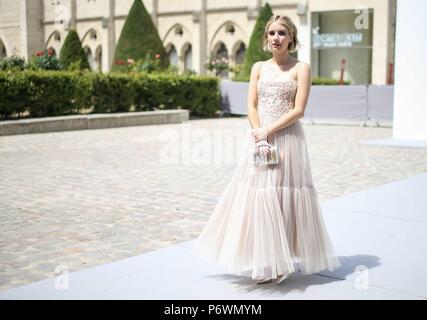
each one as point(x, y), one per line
point(221, 54)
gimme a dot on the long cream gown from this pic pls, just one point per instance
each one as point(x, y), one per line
point(268, 220)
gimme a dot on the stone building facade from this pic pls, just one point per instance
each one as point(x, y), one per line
point(191, 30)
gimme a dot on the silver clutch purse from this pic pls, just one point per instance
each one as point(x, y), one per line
point(259, 158)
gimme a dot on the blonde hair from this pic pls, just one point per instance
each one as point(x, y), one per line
point(289, 25)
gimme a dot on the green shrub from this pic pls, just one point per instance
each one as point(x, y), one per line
point(138, 38)
point(16, 91)
point(112, 93)
point(54, 93)
point(148, 64)
point(217, 64)
point(72, 51)
point(199, 94)
point(12, 63)
point(76, 66)
point(84, 92)
point(188, 72)
point(44, 60)
point(326, 81)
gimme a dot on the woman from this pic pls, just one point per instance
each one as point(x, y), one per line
point(268, 221)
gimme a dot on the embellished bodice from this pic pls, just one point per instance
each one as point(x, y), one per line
point(276, 97)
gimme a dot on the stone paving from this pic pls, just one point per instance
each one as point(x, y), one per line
point(78, 199)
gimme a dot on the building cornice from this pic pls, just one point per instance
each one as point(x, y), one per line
point(253, 13)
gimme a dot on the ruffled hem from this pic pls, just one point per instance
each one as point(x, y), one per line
point(266, 232)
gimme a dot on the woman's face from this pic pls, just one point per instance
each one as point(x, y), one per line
point(278, 37)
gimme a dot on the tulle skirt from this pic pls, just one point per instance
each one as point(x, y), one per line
point(268, 220)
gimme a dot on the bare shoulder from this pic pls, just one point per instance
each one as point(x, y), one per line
point(255, 69)
point(302, 66)
point(303, 71)
point(257, 65)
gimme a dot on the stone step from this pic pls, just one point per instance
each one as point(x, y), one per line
point(92, 121)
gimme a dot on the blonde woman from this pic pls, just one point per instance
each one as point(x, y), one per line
point(268, 222)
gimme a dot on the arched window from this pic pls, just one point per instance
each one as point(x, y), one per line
point(91, 42)
point(188, 58)
point(240, 53)
point(53, 51)
point(54, 43)
point(98, 59)
point(3, 53)
point(222, 53)
point(173, 56)
point(90, 58)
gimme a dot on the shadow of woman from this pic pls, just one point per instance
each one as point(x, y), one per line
point(300, 282)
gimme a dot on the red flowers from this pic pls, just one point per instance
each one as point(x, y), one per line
point(120, 62)
point(50, 52)
point(157, 56)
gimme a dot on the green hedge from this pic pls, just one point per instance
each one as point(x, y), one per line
point(327, 81)
point(55, 93)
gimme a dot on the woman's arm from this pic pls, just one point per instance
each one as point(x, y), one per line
point(303, 91)
point(253, 96)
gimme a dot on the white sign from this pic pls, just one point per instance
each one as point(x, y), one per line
point(336, 40)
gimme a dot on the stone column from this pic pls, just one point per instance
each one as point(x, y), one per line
point(410, 111)
point(304, 32)
point(380, 42)
point(252, 14)
point(31, 27)
point(72, 24)
point(253, 8)
point(23, 11)
point(109, 46)
point(203, 40)
point(154, 14)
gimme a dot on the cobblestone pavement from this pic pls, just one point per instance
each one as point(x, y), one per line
point(78, 199)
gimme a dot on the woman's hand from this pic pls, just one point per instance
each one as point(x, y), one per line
point(262, 150)
point(259, 134)
point(262, 147)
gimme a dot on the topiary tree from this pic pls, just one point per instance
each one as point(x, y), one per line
point(254, 52)
point(72, 53)
point(139, 38)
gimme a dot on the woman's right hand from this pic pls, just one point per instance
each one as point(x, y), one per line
point(263, 150)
